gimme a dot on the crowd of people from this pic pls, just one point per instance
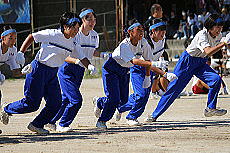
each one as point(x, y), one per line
point(192, 22)
point(57, 71)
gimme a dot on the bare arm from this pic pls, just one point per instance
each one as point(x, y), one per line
point(27, 43)
point(16, 73)
point(212, 50)
point(147, 64)
point(84, 61)
point(141, 62)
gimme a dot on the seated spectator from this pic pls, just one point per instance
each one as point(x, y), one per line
point(226, 17)
point(190, 29)
point(180, 33)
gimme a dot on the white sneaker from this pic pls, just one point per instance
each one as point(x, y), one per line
point(118, 116)
point(97, 111)
point(208, 112)
point(184, 37)
point(155, 95)
point(150, 119)
point(101, 125)
point(32, 128)
point(51, 127)
point(4, 117)
point(63, 129)
point(175, 36)
point(134, 122)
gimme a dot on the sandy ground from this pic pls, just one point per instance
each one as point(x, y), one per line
point(183, 128)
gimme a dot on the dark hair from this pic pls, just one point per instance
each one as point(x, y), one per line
point(155, 7)
point(65, 18)
point(6, 27)
point(88, 15)
point(211, 21)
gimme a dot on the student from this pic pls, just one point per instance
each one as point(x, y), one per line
point(138, 100)
point(71, 75)
point(193, 62)
point(56, 45)
point(8, 53)
point(115, 73)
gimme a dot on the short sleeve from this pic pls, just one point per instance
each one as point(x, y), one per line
point(125, 53)
point(147, 52)
point(97, 42)
point(202, 42)
point(11, 60)
point(41, 36)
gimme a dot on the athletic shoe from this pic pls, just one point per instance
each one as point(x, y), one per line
point(32, 128)
point(150, 119)
point(101, 125)
point(97, 111)
point(155, 95)
point(208, 112)
point(134, 122)
point(51, 127)
point(118, 116)
point(4, 117)
point(63, 129)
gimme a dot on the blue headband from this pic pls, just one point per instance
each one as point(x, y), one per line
point(72, 20)
point(82, 14)
point(8, 32)
point(134, 26)
point(219, 20)
point(157, 25)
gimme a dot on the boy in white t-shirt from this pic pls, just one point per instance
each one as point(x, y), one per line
point(116, 75)
point(42, 82)
point(193, 62)
point(71, 75)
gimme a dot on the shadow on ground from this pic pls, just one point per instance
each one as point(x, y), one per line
point(92, 133)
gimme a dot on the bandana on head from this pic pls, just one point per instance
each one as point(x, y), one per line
point(134, 26)
point(8, 32)
point(83, 13)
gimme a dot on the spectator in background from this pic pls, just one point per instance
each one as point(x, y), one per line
point(226, 17)
point(180, 32)
point(190, 29)
point(201, 18)
point(156, 12)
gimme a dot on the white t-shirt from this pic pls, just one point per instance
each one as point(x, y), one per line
point(125, 52)
point(158, 49)
point(201, 41)
point(9, 57)
point(54, 47)
point(87, 43)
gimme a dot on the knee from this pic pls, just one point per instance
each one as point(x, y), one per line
point(216, 81)
point(32, 104)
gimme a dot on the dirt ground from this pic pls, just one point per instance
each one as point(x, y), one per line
point(183, 128)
